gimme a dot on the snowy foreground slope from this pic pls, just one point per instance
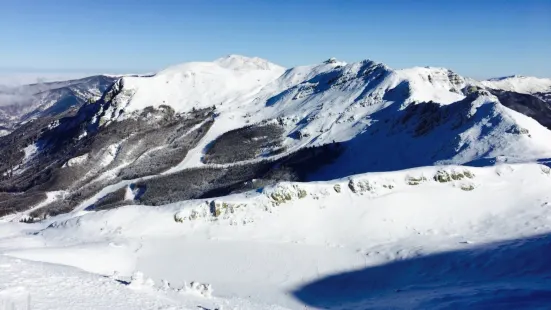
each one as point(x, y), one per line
point(431, 237)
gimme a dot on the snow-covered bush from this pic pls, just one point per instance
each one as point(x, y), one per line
point(467, 187)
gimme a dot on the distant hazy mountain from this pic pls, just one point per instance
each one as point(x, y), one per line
point(520, 84)
point(24, 102)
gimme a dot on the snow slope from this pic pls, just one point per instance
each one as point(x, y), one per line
point(289, 245)
point(201, 84)
point(471, 131)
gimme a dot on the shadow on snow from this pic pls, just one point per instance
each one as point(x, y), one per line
point(509, 274)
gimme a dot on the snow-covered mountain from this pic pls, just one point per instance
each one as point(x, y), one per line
point(258, 123)
point(338, 102)
point(331, 186)
point(529, 95)
point(520, 84)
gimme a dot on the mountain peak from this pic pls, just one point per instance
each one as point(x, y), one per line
point(240, 62)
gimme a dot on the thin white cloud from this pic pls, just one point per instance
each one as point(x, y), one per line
point(11, 94)
point(17, 79)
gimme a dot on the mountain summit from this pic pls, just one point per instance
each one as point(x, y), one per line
point(238, 62)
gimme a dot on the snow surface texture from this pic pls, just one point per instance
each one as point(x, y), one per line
point(432, 237)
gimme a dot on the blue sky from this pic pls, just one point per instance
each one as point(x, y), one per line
point(475, 38)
